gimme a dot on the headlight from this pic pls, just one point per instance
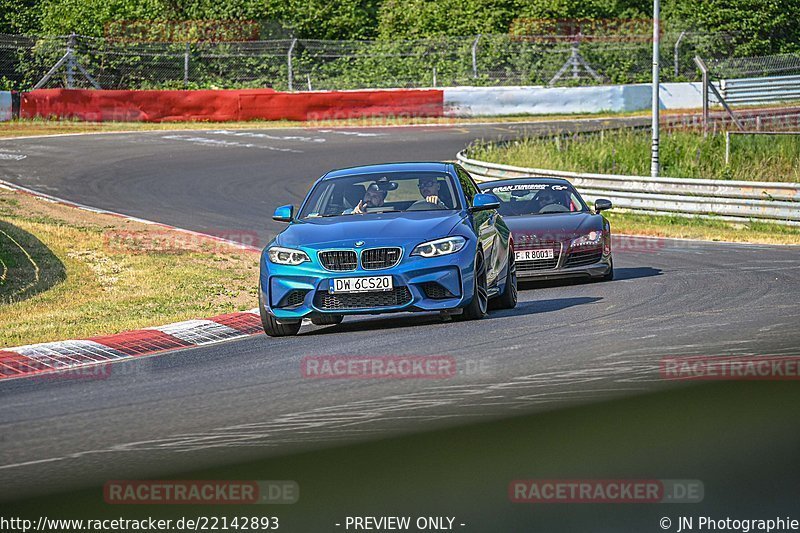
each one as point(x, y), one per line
point(287, 256)
point(448, 245)
point(592, 238)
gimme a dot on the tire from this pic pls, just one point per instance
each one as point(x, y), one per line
point(479, 305)
point(508, 298)
point(271, 326)
point(327, 320)
point(610, 274)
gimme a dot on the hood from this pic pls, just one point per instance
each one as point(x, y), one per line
point(553, 227)
point(375, 230)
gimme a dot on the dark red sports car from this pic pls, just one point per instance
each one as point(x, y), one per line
point(556, 235)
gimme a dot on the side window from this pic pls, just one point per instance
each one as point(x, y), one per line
point(470, 189)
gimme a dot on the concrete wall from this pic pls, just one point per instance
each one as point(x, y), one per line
point(488, 101)
point(5, 105)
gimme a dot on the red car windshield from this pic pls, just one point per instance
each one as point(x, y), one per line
point(537, 199)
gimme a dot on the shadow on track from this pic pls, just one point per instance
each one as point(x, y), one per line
point(387, 322)
point(27, 266)
point(543, 306)
point(620, 274)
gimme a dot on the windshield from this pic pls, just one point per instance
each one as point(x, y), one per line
point(365, 194)
point(537, 199)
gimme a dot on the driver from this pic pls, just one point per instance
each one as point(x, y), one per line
point(374, 197)
point(548, 197)
point(429, 189)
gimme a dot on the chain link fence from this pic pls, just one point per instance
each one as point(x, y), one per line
point(300, 64)
point(754, 67)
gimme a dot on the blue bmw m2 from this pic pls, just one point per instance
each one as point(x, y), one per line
point(383, 239)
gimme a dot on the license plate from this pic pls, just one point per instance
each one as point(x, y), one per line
point(365, 284)
point(533, 255)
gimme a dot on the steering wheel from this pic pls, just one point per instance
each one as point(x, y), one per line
point(423, 205)
point(554, 208)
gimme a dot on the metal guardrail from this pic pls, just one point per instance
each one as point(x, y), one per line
point(725, 200)
point(760, 90)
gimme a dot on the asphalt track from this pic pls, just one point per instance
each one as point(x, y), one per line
point(564, 344)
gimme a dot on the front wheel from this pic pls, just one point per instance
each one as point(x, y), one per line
point(608, 276)
point(479, 305)
point(271, 326)
point(508, 298)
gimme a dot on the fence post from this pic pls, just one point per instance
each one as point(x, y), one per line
point(475, 56)
point(704, 70)
point(677, 58)
point(291, 73)
point(434, 76)
point(71, 61)
point(186, 66)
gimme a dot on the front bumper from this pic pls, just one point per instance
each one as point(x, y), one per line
point(593, 263)
point(420, 284)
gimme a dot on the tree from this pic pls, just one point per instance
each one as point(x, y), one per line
point(758, 27)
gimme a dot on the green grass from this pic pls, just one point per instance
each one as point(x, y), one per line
point(75, 274)
point(707, 229)
point(27, 267)
point(683, 155)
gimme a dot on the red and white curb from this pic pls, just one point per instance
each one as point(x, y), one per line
point(66, 357)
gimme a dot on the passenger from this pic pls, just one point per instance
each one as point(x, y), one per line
point(374, 197)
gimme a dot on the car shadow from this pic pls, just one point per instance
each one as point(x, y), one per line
point(536, 307)
point(388, 322)
point(620, 274)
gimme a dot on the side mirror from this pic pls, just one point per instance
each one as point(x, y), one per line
point(484, 201)
point(601, 204)
point(284, 213)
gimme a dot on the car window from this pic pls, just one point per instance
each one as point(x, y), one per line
point(365, 194)
point(536, 198)
point(470, 189)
